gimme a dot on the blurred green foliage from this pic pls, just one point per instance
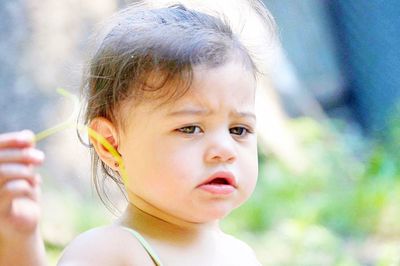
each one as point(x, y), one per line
point(346, 203)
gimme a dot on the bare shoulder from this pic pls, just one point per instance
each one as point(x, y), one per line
point(244, 254)
point(109, 245)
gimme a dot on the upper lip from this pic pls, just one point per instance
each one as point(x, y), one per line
point(228, 176)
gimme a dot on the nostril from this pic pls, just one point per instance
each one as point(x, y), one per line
point(221, 157)
point(219, 151)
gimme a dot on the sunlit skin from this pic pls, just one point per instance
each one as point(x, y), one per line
point(169, 150)
point(20, 240)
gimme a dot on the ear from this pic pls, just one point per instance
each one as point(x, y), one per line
point(105, 128)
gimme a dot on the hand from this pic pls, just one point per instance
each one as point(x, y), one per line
point(20, 239)
point(19, 185)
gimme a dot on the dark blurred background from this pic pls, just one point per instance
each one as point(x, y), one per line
point(338, 81)
point(345, 53)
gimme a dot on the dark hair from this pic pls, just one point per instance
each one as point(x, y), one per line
point(145, 43)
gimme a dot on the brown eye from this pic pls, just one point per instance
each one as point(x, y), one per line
point(190, 130)
point(240, 131)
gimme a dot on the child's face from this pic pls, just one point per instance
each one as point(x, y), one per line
point(172, 152)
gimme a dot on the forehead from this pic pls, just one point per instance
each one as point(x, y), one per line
point(232, 78)
point(229, 86)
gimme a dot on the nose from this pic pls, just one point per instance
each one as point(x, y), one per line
point(220, 149)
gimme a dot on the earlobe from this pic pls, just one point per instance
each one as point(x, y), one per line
point(105, 128)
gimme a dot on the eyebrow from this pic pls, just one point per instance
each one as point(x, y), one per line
point(188, 112)
point(199, 112)
point(246, 115)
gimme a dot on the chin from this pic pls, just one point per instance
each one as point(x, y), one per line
point(215, 213)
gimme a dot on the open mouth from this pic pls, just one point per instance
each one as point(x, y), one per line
point(219, 181)
point(220, 184)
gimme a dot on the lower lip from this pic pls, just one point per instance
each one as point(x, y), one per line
point(218, 189)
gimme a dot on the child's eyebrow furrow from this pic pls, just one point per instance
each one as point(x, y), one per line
point(245, 115)
point(200, 112)
point(184, 112)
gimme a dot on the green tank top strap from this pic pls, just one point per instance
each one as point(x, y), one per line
point(145, 245)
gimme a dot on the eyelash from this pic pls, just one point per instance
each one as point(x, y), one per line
point(185, 130)
point(242, 129)
point(192, 130)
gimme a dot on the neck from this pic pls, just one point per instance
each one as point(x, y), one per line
point(156, 224)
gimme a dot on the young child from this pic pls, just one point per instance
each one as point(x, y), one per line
point(173, 91)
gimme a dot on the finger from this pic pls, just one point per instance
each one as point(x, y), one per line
point(20, 188)
point(24, 214)
point(24, 138)
point(15, 171)
point(25, 156)
point(14, 189)
point(17, 188)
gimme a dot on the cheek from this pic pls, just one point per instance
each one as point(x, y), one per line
point(253, 176)
point(176, 161)
point(139, 158)
point(250, 170)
